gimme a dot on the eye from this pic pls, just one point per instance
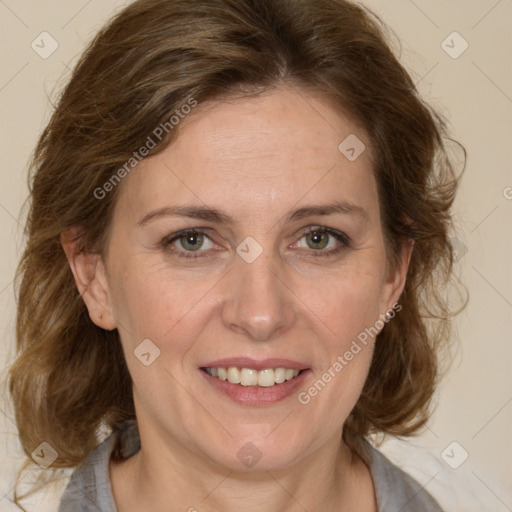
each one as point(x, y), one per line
point(323, 241)
point(195, 243)
point(188, 241)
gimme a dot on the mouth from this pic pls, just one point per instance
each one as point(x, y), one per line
point(265, 378)
point(255, 383)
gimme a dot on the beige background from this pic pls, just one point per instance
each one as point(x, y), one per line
point(474, 90)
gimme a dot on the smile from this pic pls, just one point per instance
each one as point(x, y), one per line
point(266, 378)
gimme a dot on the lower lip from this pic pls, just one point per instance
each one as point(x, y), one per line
point(253, 395)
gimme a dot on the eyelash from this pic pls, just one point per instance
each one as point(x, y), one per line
point(344, 240)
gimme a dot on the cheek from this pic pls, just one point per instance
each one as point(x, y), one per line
point(354, 305)
point(153, 301)
point(348, 302)
point(348, 308)
point(151, 304)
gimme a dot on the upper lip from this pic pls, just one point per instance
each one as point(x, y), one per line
point(262, 364)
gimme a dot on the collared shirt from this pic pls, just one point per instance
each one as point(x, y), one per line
point(90, 490)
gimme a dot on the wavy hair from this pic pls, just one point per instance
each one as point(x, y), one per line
point(70, 376)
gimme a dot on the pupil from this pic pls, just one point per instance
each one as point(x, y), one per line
point(318, 239)
point(193, 241)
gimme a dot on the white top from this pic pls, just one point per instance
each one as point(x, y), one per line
point(89, 489)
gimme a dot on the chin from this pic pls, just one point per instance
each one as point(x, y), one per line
point(263, 450)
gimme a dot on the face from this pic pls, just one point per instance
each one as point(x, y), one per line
point(250, 246)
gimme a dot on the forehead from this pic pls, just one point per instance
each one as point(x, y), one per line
point(280, 147)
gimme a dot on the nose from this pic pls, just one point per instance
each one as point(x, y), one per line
point(259, 303)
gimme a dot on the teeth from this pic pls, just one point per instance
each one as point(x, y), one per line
point(280, 375)
point(234, 375)
point(266, 378)
point(250, 377)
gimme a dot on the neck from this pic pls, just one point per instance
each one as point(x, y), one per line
point(330, 478)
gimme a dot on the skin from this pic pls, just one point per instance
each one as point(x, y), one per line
point(256, 159)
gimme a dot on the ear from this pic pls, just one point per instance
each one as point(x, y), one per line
point(397, 277)
point(90, 278)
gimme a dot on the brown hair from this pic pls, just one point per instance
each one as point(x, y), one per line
point(149, 61)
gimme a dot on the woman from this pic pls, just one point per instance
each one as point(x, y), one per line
point(239, 220)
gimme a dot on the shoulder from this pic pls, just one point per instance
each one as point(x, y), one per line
point(396, 490)
point(89, 489)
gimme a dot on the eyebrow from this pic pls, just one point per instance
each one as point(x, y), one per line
point(220, 217)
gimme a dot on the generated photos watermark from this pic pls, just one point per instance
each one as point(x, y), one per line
point(156, 136)
point(304, 397)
